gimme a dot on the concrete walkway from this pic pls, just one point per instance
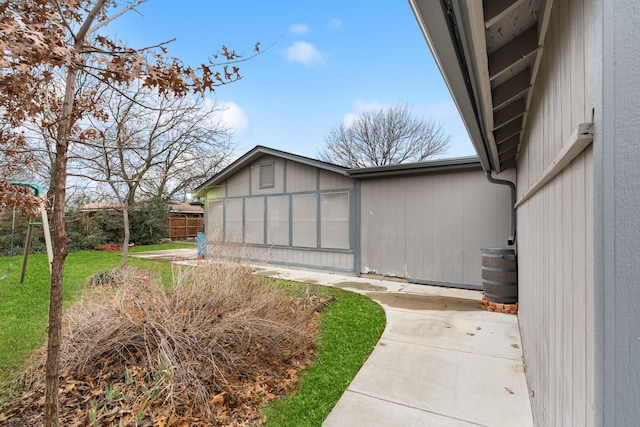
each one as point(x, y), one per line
point(441, 360)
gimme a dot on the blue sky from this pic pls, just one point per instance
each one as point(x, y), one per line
point(327, 60)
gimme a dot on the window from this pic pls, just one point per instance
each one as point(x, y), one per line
point(278, 220)
point(254, 220)
point(334, 223)
point(233, 221)
point(214, 222)
point(305, 222)
point(267, 179)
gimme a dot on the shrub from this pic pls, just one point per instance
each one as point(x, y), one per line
point(195, 352)
point(148, 221)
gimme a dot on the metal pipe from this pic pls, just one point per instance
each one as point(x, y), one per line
point(512, 187)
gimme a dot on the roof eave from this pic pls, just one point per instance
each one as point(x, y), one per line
point(497, 50)
point(434, 21)
point(421, 168)
point(254, 154)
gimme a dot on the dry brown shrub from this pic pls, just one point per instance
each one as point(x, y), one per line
point(199, 351)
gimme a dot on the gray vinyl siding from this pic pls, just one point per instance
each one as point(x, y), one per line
point(330, 181)
point(616, 214)
point(303, 258)
point(304, 220)
point(300, 178)
point(239, 184)
point(555, 226)
point(279, 175)
point(431, 228)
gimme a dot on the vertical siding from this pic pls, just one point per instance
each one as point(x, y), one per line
point(280, 225)
point(383, 234)
point(300, 178)
point(432, 227)
point(331, 181)
point(238, 184)
point(555, 226)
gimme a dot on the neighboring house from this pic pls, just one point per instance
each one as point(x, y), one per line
point(185, 220)
point(426, 222)
point(550, 89)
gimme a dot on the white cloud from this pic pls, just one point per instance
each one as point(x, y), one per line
point(305, 53)
point(349, 119)
point(335, 24)
point(233, 116)
point(359, 107)
point(301, 28)
point(441, 112)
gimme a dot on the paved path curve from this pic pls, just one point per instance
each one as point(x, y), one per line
point(441, 360)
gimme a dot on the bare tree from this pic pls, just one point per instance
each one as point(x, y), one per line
point(39, 36)
point(385, 136)
point(152, 146)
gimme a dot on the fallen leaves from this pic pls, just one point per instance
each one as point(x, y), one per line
point(206, 353)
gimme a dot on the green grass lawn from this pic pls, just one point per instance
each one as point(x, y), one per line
point(24, 307)
point(350, 328)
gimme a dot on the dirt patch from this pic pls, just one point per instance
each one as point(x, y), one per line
point(361, 286)
point(425, 302)
point(110, 247)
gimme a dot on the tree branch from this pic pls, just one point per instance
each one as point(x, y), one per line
point(115, 16)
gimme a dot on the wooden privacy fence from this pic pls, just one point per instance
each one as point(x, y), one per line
point(185, 227)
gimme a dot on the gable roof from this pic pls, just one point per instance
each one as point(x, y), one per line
point(489, 53)
point(259, 151)
point(429, 166)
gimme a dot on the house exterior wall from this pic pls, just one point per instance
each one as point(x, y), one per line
point(431, 228)
point(616, 154)
point(306, 218)
point(555, 228)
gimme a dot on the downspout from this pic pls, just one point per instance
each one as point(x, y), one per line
point(512, 187)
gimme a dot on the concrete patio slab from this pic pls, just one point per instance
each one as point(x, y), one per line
point(454, 332)
point(355, 409)
point(168, 255)
point(312, 277)
point(480, 389)
point(413, 288)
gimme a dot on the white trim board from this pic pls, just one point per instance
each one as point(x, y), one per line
point(578, 141)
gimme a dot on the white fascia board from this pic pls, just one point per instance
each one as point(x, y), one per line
point(434, 23)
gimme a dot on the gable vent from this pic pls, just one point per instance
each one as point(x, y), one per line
point(266, 176)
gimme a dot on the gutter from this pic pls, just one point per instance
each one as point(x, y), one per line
point(438, 24)
point(512, 187)
point(425, 167)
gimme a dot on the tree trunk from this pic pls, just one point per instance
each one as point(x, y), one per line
point(127, 234)
point(61, 240)
point(59, 254)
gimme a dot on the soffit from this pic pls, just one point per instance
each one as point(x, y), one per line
point(498, 44)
